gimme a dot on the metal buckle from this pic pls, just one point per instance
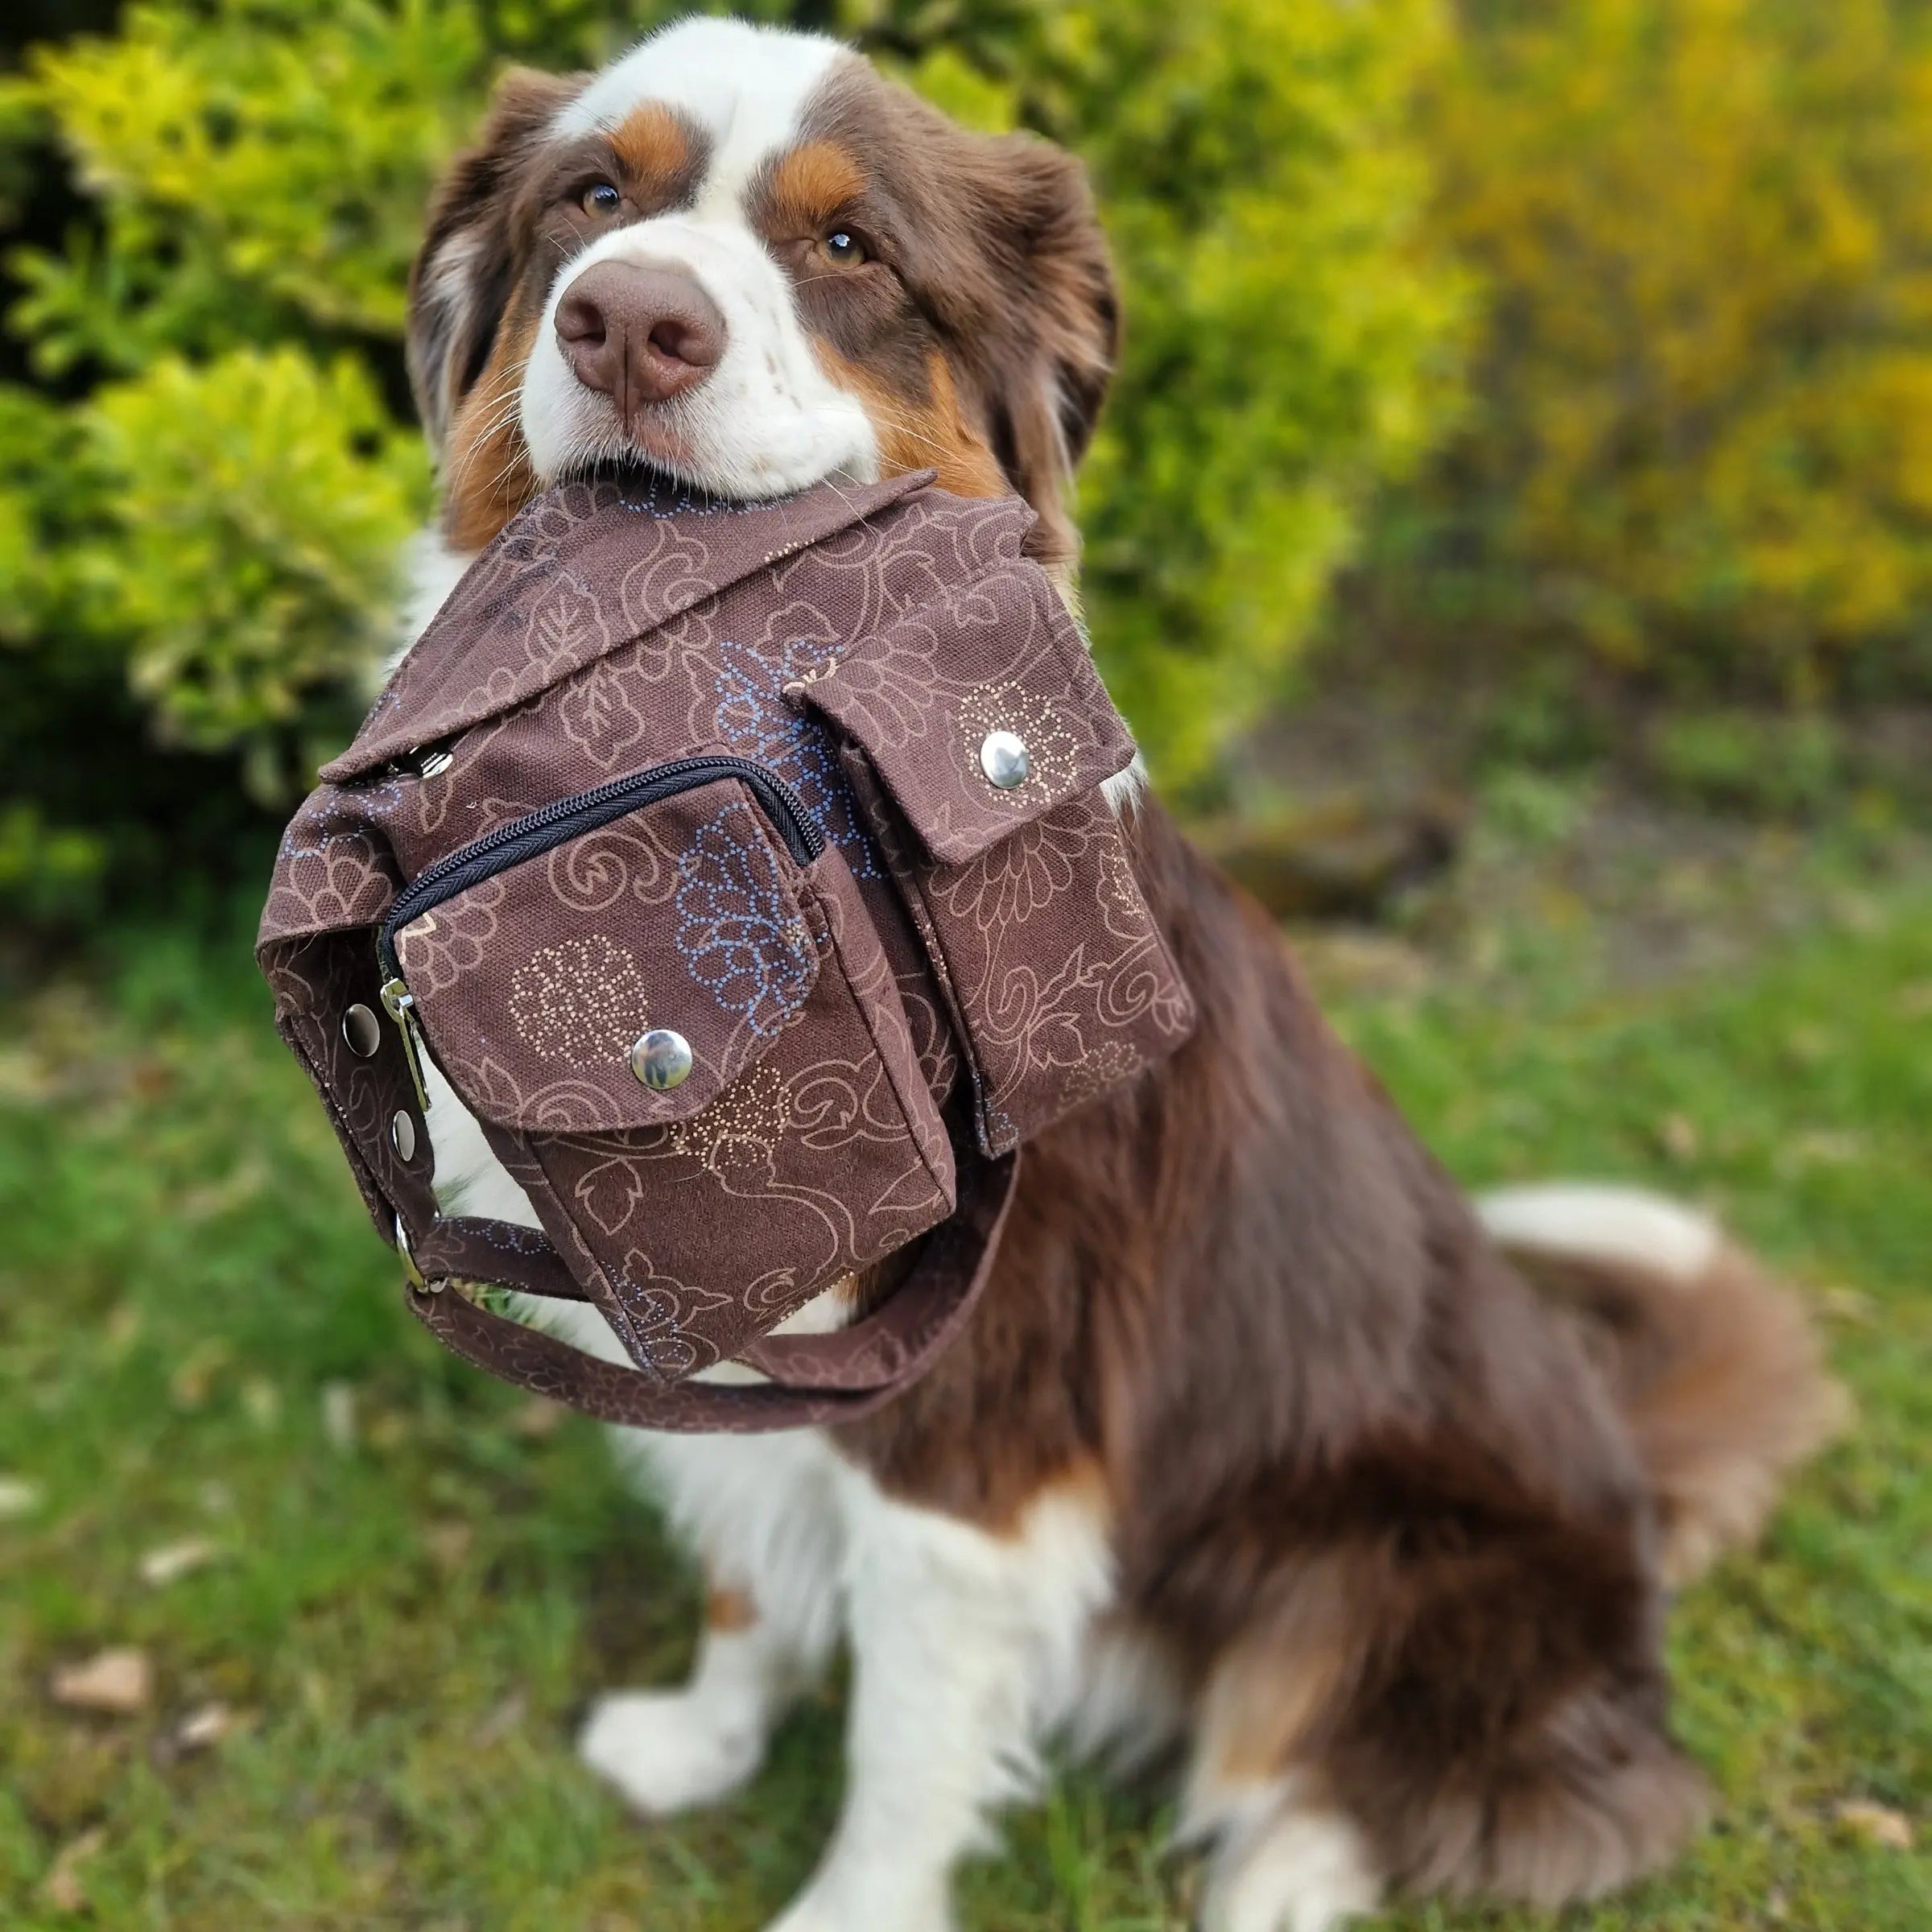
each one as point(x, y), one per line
point(411, 1272)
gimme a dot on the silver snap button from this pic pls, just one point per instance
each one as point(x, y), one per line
point(1004, 760)
point(402, 1134)
point(433, 763)
point(362, 1031)
point(662, 1059)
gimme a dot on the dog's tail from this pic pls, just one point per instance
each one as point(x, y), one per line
point(1716, 1363)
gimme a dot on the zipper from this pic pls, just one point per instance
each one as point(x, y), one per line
point(555, 824)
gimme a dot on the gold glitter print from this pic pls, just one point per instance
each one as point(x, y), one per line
point(583, 1002)
point(743, 1126)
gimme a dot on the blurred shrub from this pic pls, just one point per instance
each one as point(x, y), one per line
point(254, 503)
point(255, 165)
point(1699, 447)
point(48, 876)
point(1696, 445)
point(1743, 762)
point(203, 490)
point(1289, 346)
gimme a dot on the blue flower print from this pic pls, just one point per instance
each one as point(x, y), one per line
point(737, 932)
point(755, 721)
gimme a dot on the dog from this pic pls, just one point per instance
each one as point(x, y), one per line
point(1268, 1454)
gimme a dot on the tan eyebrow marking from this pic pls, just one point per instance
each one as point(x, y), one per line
point(807, 187)
point(654, 145)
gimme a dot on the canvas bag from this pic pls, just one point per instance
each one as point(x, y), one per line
point(745, 870)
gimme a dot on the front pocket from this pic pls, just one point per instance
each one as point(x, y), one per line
point(980, 738)
point(538, 959)
point(801, 1146)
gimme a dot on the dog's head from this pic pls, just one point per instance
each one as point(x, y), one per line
point(743, 258)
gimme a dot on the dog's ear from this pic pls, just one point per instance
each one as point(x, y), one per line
point(470, 258)
point(1042, 351)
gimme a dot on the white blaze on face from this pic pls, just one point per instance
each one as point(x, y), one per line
point(766, 420)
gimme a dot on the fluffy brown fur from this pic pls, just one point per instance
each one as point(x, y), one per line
point(1370, 1493)
point(1006, 277)
point(1721, 1381)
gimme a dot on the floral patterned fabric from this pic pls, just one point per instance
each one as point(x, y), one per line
point(860, 644)
point(534, 985)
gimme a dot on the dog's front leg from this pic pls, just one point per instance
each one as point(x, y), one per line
point(961, 1640)
point(673, 1750)
point(763, 1511)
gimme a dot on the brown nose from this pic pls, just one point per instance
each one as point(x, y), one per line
point(638, 335)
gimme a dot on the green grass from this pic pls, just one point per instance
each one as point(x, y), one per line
point(406, 1616)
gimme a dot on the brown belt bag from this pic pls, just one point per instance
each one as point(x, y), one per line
point(744, 871)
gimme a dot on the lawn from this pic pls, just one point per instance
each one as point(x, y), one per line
point(374, 1591)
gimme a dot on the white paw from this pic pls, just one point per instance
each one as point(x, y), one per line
point(817, 1911)
point(803, 1917)
point(668, 1751)
point(1304, 1873)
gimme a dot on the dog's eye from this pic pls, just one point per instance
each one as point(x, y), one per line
point(600, 198)
point(845, 248)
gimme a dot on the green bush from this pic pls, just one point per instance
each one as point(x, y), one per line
point(254, 503)
point(208, 475)
point(1700, 445)
point(255, 166)
point(1741, 761)
point(1289, 344)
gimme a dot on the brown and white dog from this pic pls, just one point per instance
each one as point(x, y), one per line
point(1267, 1450)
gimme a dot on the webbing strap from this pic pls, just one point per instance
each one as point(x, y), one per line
point(817, 1380)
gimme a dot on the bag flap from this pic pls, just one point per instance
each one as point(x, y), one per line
point(687, 917)
point(333, 872)
point(980, 711)
point(583, 569)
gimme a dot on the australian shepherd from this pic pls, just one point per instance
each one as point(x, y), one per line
point(1268, 1454)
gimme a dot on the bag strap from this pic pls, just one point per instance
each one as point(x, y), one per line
point(817, 1380)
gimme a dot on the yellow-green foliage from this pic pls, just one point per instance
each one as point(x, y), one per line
point(225, 527)
point(253, 169)
point(255, 500)
point(1702, 440)
point(216, 513)
point(1288, 345)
